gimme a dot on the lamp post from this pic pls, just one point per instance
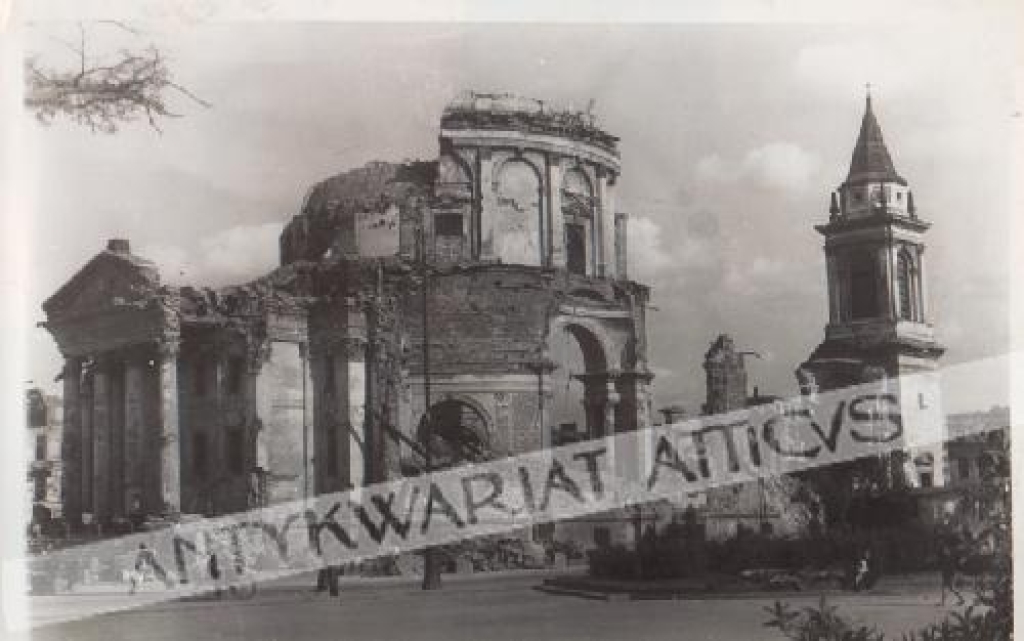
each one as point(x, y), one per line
point(431, 567)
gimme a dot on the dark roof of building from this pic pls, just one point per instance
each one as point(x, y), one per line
point(871, 162)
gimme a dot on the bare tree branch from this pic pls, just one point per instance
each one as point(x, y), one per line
point(103, 97)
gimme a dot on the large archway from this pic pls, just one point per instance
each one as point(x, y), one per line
point(578, 384)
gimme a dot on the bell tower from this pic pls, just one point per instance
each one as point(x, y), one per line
point(879, 322)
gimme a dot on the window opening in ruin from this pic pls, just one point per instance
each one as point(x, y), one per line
point(236, 451)
point(234, 378)
point(448, 225)
point(863, 289)
point(41, 447)
point(965, 467)
point(576, 248)
point(459, 434)
point(39, 488)
point(199, 454)
point(926, 479)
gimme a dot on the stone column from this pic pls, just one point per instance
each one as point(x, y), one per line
point(922, 288)
point(85, 414)
point(556, 238)
point(71, 446)
point(833, 290)
point(621, 240)
point(886, 260)
point(170, 448)
point(118, 462)
point(357, 383)
point(612, 399)
point(101, 441)
point(599, 223)
point(487, 205)
point(608, 226)
point(308, 423)
point(134, 428)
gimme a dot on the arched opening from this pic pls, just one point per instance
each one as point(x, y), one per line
point(905, 285)
point(518, 221)
point(457, 434)
point(578, 218)
point(863, 287)
point(579, 385)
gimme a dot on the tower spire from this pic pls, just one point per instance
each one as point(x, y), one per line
point(871, 161)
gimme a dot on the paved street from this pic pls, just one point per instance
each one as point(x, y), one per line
point(480, 607)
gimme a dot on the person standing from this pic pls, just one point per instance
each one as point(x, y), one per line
point(863, 571)
point(949, 561)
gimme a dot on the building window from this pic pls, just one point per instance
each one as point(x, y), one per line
point(926, 479)
point(199, 454)
point(904, 282)
point(236, 374)
point(236, 451)
point(41, 447)
point(39, 487)
point(863, 288)
point(964, 465)
point(576, 248)
point(448, 225)
point(332, 450)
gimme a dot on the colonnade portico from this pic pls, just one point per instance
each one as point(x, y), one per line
point(121, 412)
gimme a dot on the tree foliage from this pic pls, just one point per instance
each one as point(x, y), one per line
point(989, 618)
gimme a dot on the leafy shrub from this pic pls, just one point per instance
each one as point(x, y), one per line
point(615, 562)
point(823, 623)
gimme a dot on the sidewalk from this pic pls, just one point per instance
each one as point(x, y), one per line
point(306, 581)
point(721, 587)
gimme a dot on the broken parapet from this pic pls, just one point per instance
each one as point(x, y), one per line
point(509, 111)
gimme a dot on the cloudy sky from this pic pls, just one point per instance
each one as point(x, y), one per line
point(732, 138)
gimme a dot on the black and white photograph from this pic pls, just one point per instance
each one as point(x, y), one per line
point(380, 321)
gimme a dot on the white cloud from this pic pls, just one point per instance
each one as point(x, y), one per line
point(646, 255)
point(841, 67)
point(712, 169)
point(755, 275)
point(782, 166)
point(232, 255)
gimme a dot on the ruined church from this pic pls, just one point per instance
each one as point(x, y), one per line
point(486, 289)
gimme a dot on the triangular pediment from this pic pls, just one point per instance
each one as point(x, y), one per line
point(111, 280)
